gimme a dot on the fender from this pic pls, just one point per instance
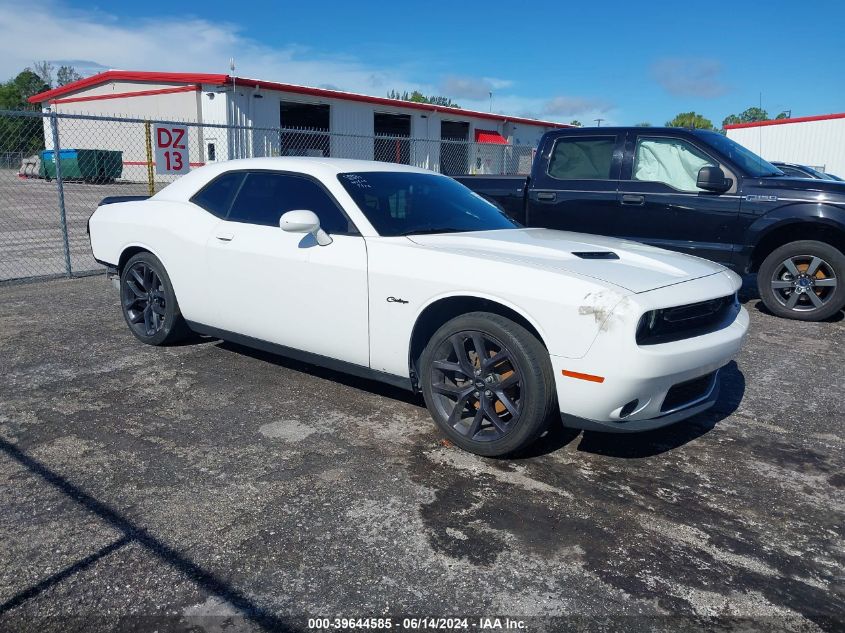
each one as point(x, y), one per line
point(457, 294)
point(150, 249)
point(821, 213)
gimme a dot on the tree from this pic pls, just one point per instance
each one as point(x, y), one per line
point(21, 134)
point(576, 123)
point(66, 75)
point(690, 119)
point(417, 97)
point(784, 115)
point(643, 124)
point(15, 92)
point(750, 115)
point(44, 70)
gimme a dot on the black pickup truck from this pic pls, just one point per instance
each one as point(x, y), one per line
point(693, 191)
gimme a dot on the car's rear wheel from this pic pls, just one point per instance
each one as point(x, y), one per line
point(803, 280)
point(488, 383)
point(149, 303)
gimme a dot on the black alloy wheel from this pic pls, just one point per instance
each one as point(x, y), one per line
point(804, 283)
point(477, 385)
point(144, 300)
point(149, 303)
point(488, 383)
point(803, 280)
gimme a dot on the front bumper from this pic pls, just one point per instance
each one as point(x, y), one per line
point(635, 380)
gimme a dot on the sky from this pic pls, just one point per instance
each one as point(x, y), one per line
point(624, 62)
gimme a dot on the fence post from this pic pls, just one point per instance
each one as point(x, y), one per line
point(151, 187)
point(57, 159)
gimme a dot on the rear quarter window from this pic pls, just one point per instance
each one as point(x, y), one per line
point(217, 196)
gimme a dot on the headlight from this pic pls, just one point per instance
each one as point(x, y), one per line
point(694, 319)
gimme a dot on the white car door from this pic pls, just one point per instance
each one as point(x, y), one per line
point(283, 287)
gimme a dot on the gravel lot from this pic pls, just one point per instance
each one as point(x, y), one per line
point(210, 487)
point(31, 242)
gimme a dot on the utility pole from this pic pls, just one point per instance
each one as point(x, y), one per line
point(598, 122)
point(491, 101)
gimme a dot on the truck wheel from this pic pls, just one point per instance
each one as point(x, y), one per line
point(488, 383)
point(803, 280)
point(149, 303)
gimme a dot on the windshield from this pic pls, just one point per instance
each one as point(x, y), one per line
point(752, 164)
point(405, 203)
point(818, 174)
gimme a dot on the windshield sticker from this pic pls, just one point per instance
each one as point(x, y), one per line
point(357, 180)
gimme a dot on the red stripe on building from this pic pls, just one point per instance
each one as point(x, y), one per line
point(121, 95)
point(800, 119)
point(129, 75)
point(220, 80)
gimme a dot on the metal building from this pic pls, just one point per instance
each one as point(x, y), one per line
point(339, 124)
point(817, 141)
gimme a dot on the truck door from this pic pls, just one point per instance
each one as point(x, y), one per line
point(574, 183)
point(659, 203)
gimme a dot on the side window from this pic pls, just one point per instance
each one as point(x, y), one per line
point(265, 196)
point(216, 197)
point(671, 161)
point(582, 158)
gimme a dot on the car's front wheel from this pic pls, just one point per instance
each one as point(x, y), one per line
point(488, 383)
point(149, 303)
point(803, 280)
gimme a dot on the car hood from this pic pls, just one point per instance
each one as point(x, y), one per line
point(831, 189)
point(640, 268)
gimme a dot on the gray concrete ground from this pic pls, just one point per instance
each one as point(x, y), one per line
point(31, 243)
point(210, 487)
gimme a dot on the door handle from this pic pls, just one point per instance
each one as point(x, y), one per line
point(546, 196)
point(225, 237)
point(633, 199)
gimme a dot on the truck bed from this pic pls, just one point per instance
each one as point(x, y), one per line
point(506, 192)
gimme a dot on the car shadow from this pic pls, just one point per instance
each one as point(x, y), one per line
point(365, 384)
point(624, 445)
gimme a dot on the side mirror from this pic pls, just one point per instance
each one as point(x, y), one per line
point(713, 178)
point(304, 221)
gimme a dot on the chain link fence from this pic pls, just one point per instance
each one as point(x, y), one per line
point(47, 196)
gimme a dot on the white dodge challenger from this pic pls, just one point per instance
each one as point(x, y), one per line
point(403, 275)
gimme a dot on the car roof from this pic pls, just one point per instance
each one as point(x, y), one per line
point(629, 128)
point(320, 168)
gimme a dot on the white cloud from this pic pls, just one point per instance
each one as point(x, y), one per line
point(476, 88)
point(689, 77)
point(50, 30)
point(167, 43)
point(571, 106)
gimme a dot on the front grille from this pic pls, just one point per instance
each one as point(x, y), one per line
point(687, 392)
point(686, 321)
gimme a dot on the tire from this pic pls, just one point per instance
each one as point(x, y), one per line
point(464, 393)
point(148, 302)
point(803, 280)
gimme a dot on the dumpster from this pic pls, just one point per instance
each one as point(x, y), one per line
point(89, 165)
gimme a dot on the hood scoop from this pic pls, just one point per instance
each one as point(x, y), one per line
point(596, 255)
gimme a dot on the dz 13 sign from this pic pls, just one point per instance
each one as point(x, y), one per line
point(171, 149)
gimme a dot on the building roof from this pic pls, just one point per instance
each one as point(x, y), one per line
point(800, 119)
point(222, 80)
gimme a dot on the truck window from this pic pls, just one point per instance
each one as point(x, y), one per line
point(671, 161)
point(582, 158)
